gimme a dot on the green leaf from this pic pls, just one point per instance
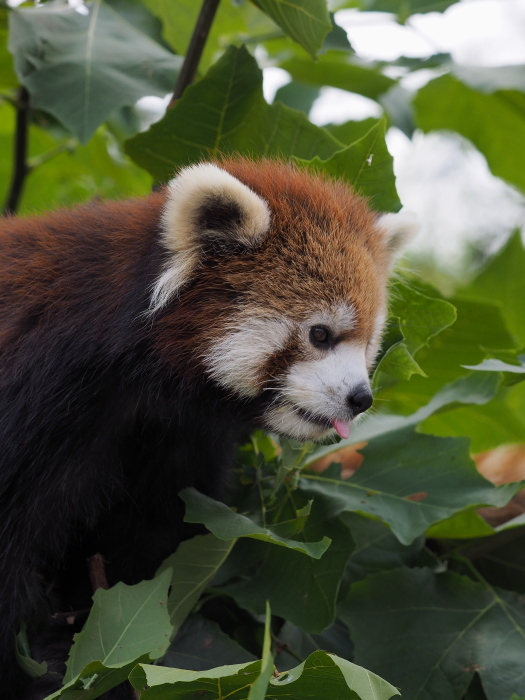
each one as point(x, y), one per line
point(306, 21)
point(23, 656)
point(479, 325)
point(266, 573)
point(351, 131)
point(233, 23)
point(417, 318)
point(193, 566)
point(420, 317)
point(502, 281)
point(501, 558)
point(81, 67)
point(322, 675)
point(223, 113)
point(494, 365)
point(465, 525)
point(449, 627)
point(76, 173)
point(201, 644)
point(494, 123)
point(297, 96)
point(377, 548)
point(293, 642)
point(366, 165)
point(8, 79)
point(220, 682)
point(396, 364)
point(478, 389)
point(225, 524)
point(95, 679)
point(260, 685)
point(342, 70)
point(409, 481)
point(125, 623)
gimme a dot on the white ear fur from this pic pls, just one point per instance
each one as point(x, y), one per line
point(205, 204)
point(399, 229)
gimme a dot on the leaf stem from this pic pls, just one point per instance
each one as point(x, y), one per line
point(195, 49)
point(65, 147)
point(20, 166)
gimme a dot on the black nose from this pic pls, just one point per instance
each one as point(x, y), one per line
point(360, 400)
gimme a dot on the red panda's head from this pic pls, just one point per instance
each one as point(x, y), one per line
point(281, 276)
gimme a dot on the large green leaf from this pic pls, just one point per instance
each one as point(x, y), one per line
point(306, 21)
point(367, 165)
point(342, 70)
point(494, 123)
point(415, 318)
point(194, 565)
point(225, 112)
point(226, 524)
point(377, 548)
point(502, 281)
point(201, 645)
point(479, 325)
point(300, 589)
point(322, 675)
point(81, 67)
point(409, 481)
point(477, 389)
point(125, 623)
point(431, 633)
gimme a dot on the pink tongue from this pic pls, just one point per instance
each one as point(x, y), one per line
point(341, 427)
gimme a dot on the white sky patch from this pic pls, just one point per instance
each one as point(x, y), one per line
point(482, 32)
point(338, 106)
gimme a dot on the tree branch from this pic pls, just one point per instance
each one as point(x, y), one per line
point(195, 49)
point(20, 167)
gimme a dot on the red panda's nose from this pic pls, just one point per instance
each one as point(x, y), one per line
point(360, 400)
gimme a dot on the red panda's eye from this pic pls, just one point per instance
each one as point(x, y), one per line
point(319, 336)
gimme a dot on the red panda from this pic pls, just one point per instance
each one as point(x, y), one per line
point(141, 340)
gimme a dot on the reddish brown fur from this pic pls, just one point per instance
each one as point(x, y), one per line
point(323, 248)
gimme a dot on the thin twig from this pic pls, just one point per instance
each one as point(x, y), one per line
point(20, 167)
point(97, 572)
point(195, 49)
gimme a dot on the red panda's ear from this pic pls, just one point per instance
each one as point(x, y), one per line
point(205, 206)
point(399, 229)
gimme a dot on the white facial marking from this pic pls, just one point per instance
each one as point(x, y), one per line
point(341, 318)
point(235, 361)
point(375, 341)
point(285, 421)
point(191, 189)
point(322, 386)
point(314, 391)
point(399, 229)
